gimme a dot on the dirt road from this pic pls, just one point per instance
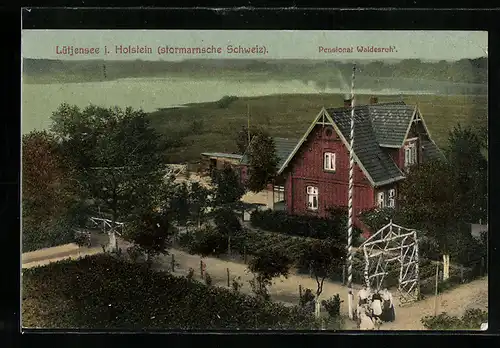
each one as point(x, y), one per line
point(454, 302)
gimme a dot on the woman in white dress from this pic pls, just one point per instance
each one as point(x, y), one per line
point(366, 323)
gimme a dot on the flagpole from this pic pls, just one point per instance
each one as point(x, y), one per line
point(350, 208)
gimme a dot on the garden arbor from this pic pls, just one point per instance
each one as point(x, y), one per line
point(109, 227)
point(393, 244)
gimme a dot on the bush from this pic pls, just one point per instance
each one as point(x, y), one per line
point(46, 234)
point(208, 279)
point(307, 297)
point(190, 274)
point(126, 296)
point(225, 101)
point(186, 239)
point(208, 241)
point(332, 306)
point(135, 253)
point(236, 284)
point(471, 320)
point(227, 222)
point(333, 227)
point(378, 218)
point(82, 239)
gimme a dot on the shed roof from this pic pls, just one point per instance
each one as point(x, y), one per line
point(222, 155)
point(284, 147)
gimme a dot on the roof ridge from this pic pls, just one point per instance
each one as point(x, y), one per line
point(398, 102)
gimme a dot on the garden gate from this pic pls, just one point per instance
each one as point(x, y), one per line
point(391, 244)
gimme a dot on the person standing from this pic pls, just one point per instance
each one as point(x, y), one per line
point(376, 306)
point(392, 316)
point(386, 305)
point(363, 295)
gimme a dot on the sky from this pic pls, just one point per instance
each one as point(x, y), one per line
point(270, 44)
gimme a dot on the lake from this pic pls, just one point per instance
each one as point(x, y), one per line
point(150, 94)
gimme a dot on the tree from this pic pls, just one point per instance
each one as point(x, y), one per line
point(227, 223)
point(199, 201)
point(151, 231)
point(241, 138)
point(117, 154)
point(228, 188)
point(430, 202)
point(267, 265)
point(45, 177)
point(179, 204)
point(470, 167)
point(49, 208)
point(263, 162)
point(324, 257)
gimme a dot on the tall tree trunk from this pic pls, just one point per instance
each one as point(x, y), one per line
point(112, 233)
point(319, 290)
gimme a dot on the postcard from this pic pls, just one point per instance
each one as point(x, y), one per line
point(254, 180)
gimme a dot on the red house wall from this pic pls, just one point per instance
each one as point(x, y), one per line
point(306, 169)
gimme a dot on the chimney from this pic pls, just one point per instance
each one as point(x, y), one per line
point(373, 100)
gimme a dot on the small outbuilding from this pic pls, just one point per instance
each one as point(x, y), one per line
point(217, 160)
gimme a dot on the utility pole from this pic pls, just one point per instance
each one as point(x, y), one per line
point(350, 296)
point(248, 123)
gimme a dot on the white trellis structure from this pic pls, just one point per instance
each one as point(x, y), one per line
point(393, 244)
point(107, 226)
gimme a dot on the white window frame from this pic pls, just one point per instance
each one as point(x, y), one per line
point(391, 198)
point(312, 197)
point(411, 154)
point(329, 161)
point(381, 199)
point(280, 192)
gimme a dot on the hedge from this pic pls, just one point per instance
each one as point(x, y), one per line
point(104, 292)
point(333, 227)
point(470, 320)
point(45, 235)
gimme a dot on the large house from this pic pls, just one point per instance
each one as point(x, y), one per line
point(313, 171)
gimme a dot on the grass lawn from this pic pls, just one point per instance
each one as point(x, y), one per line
point(207, 127)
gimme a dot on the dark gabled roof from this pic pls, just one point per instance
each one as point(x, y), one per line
point(284, 147)
point(378, 164)
point(390, 122)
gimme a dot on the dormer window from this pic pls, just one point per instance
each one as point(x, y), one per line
point(329, 161)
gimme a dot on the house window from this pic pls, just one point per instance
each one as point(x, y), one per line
point(381, 200)
point(410, 154)
point(279, 192)
point(312, 198)
point(329, 161)
point(391, 201)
